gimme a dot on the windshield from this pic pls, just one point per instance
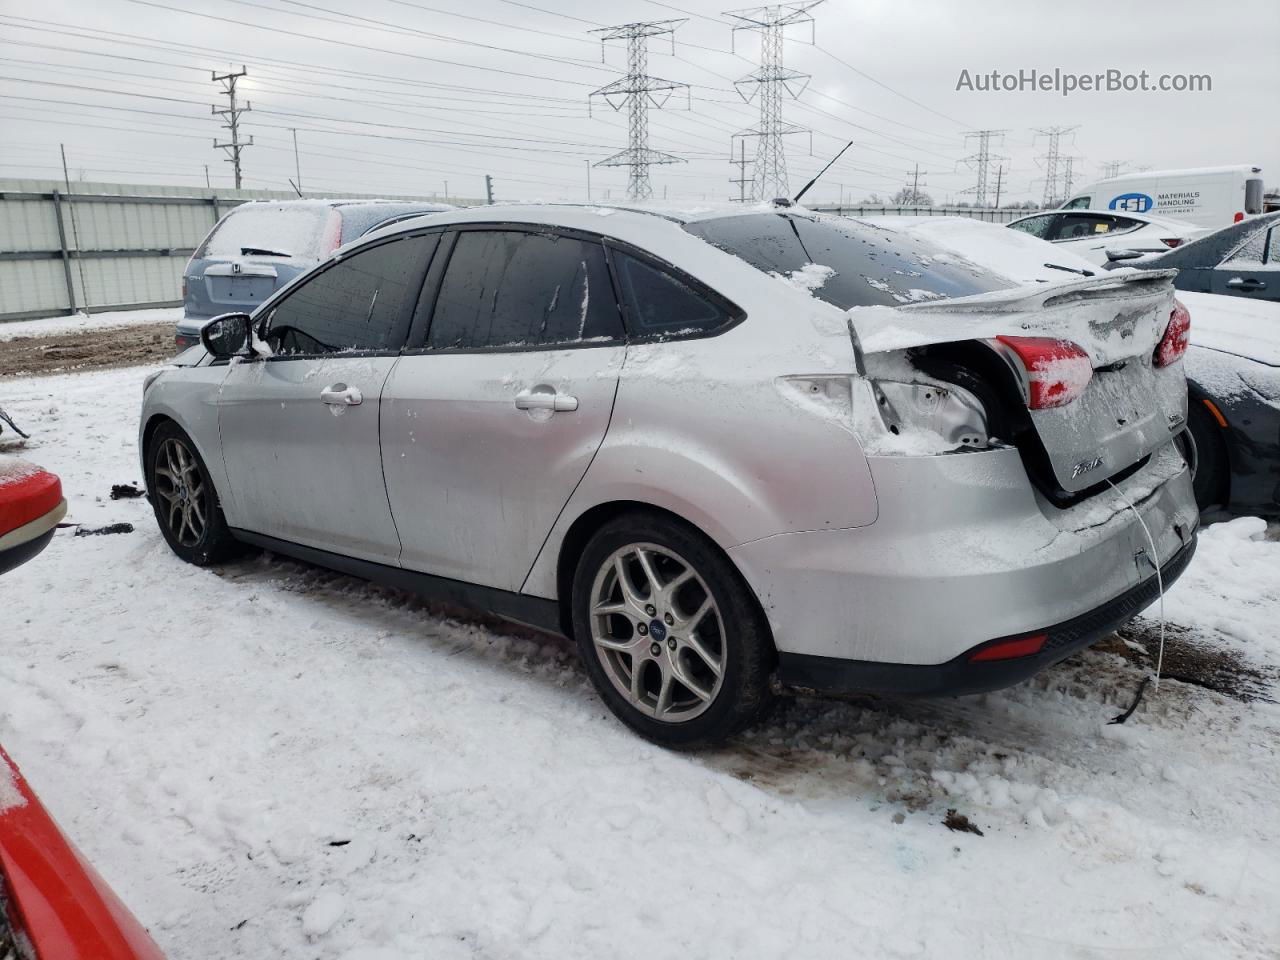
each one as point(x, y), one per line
point(846, 262)
point(267, 229)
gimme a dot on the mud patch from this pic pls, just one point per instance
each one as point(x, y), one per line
point(87, 350)
point(1192, 659)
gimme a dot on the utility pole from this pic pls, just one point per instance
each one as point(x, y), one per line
point(769, 80)
point(741, 163)
point(915, 185)
point(232, 114)
point(488, 188)
point(999, 180)
point(75, 234)
point(981, 162)
point(1111, 168)
point(446, 191)
point(1050, 159)
point(588, 181)
point(206, 177)
point(297, 169)
point(638, 91)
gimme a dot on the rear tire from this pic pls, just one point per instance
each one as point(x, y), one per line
point(1212, 476)
point(671, 636)
point(185, 501)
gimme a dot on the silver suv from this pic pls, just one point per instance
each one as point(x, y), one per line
point(713, 448)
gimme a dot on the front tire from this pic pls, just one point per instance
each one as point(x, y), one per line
point(671, 636)
point(185, 502)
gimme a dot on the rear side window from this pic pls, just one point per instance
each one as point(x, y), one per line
point(864, 265)
point(1253, 195)
point(660, 304)
point(1078, 226)
point(270, 229)
point(359, 303)
point(507, 288)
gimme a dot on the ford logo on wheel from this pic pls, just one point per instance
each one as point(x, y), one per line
point(1132, 203)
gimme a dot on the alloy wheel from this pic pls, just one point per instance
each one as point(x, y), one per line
point(181, 490)
point(658, 632)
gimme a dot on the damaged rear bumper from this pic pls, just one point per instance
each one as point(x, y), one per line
point(963, 674)
point(965, 551)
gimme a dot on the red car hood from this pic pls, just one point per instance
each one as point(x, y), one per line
point(56, 901)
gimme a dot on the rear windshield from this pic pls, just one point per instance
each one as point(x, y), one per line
point(846, 262)
point(266, 229)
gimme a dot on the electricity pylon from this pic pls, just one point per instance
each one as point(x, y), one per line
point(638, 91)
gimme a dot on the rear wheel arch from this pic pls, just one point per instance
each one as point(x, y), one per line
point(584, 528)
point(1214, 454)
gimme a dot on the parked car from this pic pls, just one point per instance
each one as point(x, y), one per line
point(260, 246)
point(711, 447)
point(53, 904)
point(1207, 197)
point(1232, 364)
point(1233, 373)
point(31, 505)
point(1092, 233)
point(1239, 261)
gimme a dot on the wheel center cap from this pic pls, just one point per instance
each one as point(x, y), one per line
point(657, 630)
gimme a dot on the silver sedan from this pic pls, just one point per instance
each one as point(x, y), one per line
point(716, 448)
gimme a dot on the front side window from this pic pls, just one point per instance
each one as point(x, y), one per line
point(508, 288)
point(1036, 226)
point(1079, 203)
point(360, 303)
point(1251, 251)
point(660, 304)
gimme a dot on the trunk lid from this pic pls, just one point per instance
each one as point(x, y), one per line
point(1129, 407)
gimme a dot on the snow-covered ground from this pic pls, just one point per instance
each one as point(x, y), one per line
point(46, 326)
point(271, 761)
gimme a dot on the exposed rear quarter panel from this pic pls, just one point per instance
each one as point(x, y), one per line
point(706, 430)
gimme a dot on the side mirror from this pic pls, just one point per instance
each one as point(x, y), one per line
point(1114, 255)
point(227, 336)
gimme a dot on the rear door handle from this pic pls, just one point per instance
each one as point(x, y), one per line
point(546, 400)
point(1241, 283)
point(342, 395)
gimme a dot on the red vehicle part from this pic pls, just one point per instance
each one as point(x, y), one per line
point(55, 901)
point(31, 505)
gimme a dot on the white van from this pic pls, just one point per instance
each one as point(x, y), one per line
point(1210, 197)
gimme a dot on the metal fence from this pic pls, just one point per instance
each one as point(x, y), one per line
point(105, 246)
point(989, 214)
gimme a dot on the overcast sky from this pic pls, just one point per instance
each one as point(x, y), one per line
point(423, 92)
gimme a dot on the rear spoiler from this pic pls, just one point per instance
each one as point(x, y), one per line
point(1033, 297)
point(1027, 310)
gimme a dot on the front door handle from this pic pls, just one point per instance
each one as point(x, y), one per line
point(339, 394)
point(546, 400)
point(1242, 283)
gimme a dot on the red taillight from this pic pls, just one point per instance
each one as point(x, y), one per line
point(1171, 241)
point(1176, 337)
point(1238, 217)
point(1010, 649)
point(1057, 370)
